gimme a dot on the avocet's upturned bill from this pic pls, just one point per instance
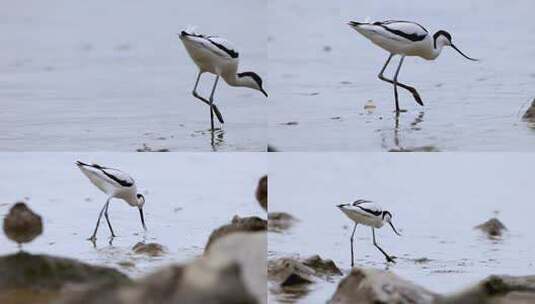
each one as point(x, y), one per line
point(216, 55)
point(369, 214)
point(405, 38)
point(116, 184)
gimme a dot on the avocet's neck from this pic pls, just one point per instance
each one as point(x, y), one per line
point(436, 51)
point(235, 81)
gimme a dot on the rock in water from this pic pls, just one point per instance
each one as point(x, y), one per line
point(530, 113)
point(326, 267)
point(21, 224)
point(150, 249)
point(371, 286)
point(280, 221)
point(493, 228)
point(262, 192)
point(238, 224)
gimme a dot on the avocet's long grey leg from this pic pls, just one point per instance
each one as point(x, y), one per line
point(415, 94)
point(213, 106)
point(388, 257)
point(211, 100)
point(351, 240)
point(107, 217)
point(94, 236)
point(396, 83)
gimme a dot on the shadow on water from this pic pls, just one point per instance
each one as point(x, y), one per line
point(398, 133)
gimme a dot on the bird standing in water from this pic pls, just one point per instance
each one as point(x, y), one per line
point(217, 56)
point(369, 214)
point(116, 184)
point(404, 38)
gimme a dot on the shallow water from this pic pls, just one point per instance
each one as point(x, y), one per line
point(323, 73)
point(187, 196)
point(435, 199)
point(97, 76)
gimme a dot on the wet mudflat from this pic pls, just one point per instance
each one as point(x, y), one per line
point(181, 208)
point(324, 74)
point(436, 201)
point(99, 76)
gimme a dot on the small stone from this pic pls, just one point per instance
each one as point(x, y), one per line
point(150, 249)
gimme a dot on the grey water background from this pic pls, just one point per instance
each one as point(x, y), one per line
point(323, 73)
point(188, 195)
point(436, 200)
point(101, 75)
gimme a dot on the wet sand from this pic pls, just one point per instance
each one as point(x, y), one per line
point(105, 76)
point(324, 73)
point(436, 201)
point(181, 208)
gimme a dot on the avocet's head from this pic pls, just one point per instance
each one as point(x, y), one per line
point(252, 80)
point(140, 203)
point(387, 217)
point(443, 38)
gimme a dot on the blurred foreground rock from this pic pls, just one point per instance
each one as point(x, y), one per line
point(238, 224)
point(199, 282)
point(280, 221)
point(249, 251)
point(27, 278)
point(501, 289)
point(370, 286)
point(232, 271)
point(493, 228)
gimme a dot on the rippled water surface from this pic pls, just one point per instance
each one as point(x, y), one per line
point(436, 200)
point(187, 196)
point(323, 73)
point(100, 75)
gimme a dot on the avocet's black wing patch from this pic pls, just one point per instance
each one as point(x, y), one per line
point(409, 30)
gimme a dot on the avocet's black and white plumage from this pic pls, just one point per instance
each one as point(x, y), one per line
point(369, 214)
point(404, 38)
point(116, 184)
point(216, 55)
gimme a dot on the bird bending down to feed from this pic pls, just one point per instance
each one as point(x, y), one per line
point(216, 55)
point(116, 184)
point(369, 214)
point(22, 225)
point(404, 38)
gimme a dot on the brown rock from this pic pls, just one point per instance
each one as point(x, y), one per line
point(321, 266)
point(238, 224)
point(493, 228)
point(371, 286)
point(497, 290)
point(287, 272)
point(530, 113)
point(200, 282)
point(262, 192)
point(150, 249)
point(280, 221)
point(21, 224)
